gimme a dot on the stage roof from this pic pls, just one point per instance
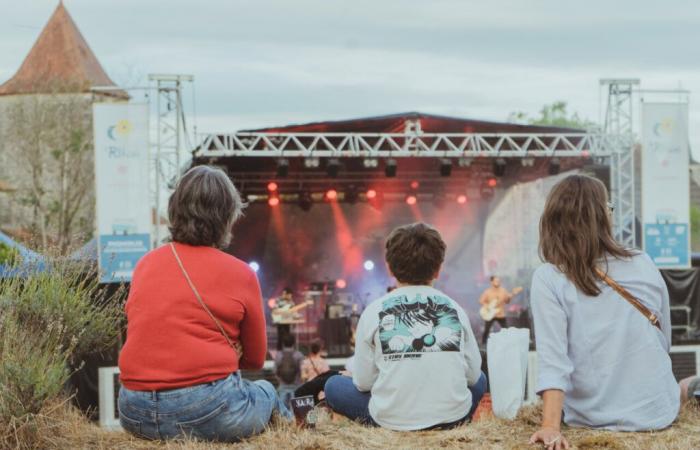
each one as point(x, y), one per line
point(429, 123)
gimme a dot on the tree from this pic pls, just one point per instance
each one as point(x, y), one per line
point(695, 227)
point(555, 114)
point(50, 136)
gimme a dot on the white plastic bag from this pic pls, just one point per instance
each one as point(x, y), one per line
point(506, 354)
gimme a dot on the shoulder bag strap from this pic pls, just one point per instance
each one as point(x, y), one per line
point(201, 302)
point(624, 293)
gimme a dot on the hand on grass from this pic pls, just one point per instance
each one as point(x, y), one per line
point(551, 438)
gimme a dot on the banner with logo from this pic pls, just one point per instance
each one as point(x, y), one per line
point(666, 184)
point(122, 194)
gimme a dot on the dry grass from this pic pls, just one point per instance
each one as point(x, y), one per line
point(64, 427)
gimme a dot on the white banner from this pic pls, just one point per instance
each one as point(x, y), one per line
point(666, 184)
point(121, 179)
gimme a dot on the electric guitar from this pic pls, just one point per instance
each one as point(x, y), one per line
point(489, 310)
point(291, 314)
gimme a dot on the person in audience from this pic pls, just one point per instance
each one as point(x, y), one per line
point(315, 371)
point(194, 318)
point(288, 369)
point(601, 362)
point(417, 364)
point(314, 364)
point(690, 389)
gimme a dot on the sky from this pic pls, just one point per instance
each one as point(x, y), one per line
point(264, 63)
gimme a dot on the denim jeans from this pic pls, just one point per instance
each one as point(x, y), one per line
point(343, 397)
point(228, 410)
point(286, 393)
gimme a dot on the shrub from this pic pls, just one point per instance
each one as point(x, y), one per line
point(49, 322)
point(9, 256)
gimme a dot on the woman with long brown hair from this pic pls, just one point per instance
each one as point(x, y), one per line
point(602, 322)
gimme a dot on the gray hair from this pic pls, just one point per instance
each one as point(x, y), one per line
point(204, 207)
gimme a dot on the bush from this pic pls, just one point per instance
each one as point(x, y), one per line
point(9, 256)
point(48, 323)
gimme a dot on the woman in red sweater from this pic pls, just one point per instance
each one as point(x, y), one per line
point(195, 317)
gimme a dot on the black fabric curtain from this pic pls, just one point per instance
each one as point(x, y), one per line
point(684, 289)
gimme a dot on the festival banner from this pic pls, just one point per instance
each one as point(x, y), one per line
point(122, 194)
point(666, 184)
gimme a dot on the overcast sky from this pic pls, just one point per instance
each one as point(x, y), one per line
point(260, 63)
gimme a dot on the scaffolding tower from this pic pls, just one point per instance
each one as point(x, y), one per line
point(619, 120)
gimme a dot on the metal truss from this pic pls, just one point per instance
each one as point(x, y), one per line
point(619, 121)
point(397, 145)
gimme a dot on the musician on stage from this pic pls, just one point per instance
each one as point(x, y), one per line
point(493, 301)
point(284, 302)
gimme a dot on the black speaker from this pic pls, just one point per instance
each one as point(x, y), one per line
point(335, 334)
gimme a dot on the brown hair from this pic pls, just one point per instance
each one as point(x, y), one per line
point(204, 207)
point(415, 253)
point(576, 230)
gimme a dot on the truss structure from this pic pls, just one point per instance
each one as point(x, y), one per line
point(618, 121)
point(396, 145)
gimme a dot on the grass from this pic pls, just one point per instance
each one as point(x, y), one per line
point(61, 426)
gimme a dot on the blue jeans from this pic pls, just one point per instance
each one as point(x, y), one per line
point(343, 397)
point(286, 393)
point(227, 410)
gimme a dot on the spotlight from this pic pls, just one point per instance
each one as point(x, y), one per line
point(411, 200)
point(464, 162)
point(369, 265)
point(371, 194)
point(491, 182)
point(499, 167)
point(415, 184)
point(331, 194)
point(445, 167)
point(487, 190)
point(272, 186)
point(375, 199)
point(554, 166)
point(351, 194)
point(333, 167)
point(390, 168)
point(282, 168)
point(341, 284)
point(255, 266)
point(461, 199)
point(312, 163)
point(370, 163)
point(305, 201)
point(527, 162)
point(273, 201)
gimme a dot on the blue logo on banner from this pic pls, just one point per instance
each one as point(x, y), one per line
point(667, 244)
point(119, 255)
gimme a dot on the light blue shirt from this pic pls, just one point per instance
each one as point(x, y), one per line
point(610, 361)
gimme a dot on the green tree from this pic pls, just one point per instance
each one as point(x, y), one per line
point(555, 114)
point(695, 227)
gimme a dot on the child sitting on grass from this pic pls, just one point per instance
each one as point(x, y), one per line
point(417, 364)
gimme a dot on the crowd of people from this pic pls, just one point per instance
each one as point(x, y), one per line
point(195, 318)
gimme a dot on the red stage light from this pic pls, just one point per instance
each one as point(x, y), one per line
point(492, 182)
point(331, 194)
point(371, 193)
point(415, 184)
point(273, 201)
point(411, 200)
point(585, 154)
point(340, 284)
point(461, 199)
point(272, 186)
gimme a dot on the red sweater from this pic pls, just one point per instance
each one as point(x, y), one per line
point(171, 340)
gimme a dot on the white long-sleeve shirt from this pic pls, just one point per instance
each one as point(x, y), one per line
point(416, 352)
point(611, 363)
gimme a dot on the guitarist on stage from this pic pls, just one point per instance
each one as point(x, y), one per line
point(493, 302)
point(284, 302)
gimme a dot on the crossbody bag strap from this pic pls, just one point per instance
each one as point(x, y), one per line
point(624, 293)
point(201, 302)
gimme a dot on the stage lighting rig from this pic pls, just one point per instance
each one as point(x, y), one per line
point(312, 163)
point(333, 167)
point(499, 167)
point(370, 163)
point(282, 167)
point(390, 167)
point(554, 166)
point(445, 167)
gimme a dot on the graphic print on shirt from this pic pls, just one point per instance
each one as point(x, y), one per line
point(420, 325)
